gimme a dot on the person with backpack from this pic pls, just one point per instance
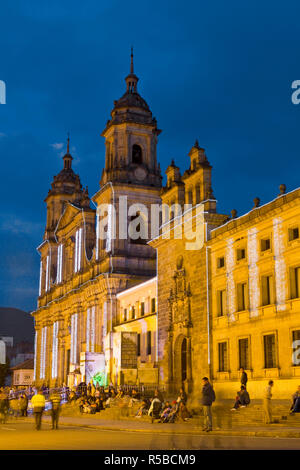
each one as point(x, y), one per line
point(208, 397)
point(55, 399)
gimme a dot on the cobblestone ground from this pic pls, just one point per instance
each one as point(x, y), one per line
point(20, 435)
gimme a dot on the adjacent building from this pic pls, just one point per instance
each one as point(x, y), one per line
point(22, 374)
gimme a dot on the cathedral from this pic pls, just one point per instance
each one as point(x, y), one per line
point(200, 294)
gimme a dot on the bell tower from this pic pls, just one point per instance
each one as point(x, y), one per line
point(131, 177)
point(131, 139)
point(66, 187)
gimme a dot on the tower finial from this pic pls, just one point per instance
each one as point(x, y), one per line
point(67, 158)
point(131, 79)
point(131, 63)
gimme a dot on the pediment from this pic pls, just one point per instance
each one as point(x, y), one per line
point(67, 217)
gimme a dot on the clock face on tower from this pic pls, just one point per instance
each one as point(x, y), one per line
point(140, 173)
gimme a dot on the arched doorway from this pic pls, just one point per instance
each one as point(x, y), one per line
point(183, 360)
point(180, 361)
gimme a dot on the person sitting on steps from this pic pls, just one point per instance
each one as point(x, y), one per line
point(242, 399)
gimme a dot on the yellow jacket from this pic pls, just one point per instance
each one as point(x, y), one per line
point(38, 401)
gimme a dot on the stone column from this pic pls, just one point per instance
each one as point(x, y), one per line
point(49, 352)
point(189, 378)
point(37, 358)
point(128, 156)
point(149, 161)
point(62, 370)
point(63, 361)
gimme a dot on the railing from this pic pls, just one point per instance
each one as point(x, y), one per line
point(145, 390)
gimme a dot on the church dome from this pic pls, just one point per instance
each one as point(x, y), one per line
point(66, 181)
point(131, 100)
point(131, 107)
point(66, 175)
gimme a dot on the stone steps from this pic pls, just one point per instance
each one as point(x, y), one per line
point(222, 415)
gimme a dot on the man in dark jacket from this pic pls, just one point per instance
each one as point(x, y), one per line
point(55, 399)
point(23, 401)
point(208, 397)
point(244, 377)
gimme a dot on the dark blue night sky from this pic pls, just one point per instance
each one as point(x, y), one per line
point(217, 71)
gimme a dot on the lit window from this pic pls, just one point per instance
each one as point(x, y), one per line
point(295, 282)
point(244, 353)
point(138, 344)
point(266, 290)
point(132, 313)
point(78, 250)
point(221, 302)
point(265, 244)
point(59, 263)
point(241, 296)
point(296, 337)
point(149, 345)
point(138, 229)
point(240, 253)
point(293, 233)
point(270, 351)
point(223, 359)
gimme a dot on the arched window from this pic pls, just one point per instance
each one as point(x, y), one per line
point(190, 196)
point(138, 229)
point(137, 154)
point(198, 195)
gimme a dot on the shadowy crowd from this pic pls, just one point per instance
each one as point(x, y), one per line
point(141, 402)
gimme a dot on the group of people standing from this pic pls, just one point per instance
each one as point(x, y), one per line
point(243, 399)
point(38, 402)
point(17, 405)
point(92, 399)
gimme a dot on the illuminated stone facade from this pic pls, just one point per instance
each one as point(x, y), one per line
point(233, 303)
point(81, 272)
point(262, 281)
point(207, 295)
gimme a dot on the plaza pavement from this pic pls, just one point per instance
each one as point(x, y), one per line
point(193, 427)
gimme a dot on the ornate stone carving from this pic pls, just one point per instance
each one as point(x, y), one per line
point(179, 299)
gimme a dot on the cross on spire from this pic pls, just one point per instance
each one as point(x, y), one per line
point(131, 79)
point(68, 158)
point(131, 62)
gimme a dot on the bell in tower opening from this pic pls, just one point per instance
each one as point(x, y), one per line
point(137, 154)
